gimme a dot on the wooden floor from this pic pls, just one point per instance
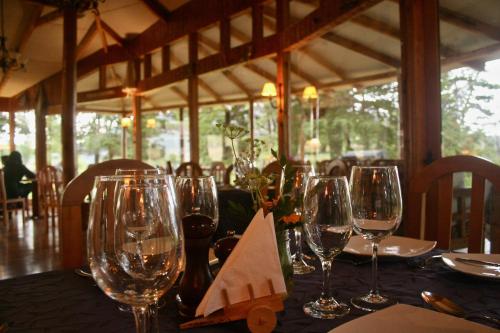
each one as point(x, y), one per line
point(29, 247)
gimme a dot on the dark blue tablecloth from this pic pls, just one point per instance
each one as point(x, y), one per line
point(62, 301)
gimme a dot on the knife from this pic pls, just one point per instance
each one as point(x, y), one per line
point(476, 262)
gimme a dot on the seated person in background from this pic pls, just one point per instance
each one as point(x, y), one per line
point(4, 160)
point(14, 171)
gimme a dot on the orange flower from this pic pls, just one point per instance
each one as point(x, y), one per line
point(291, 219)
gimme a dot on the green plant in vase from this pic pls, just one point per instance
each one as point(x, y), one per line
point(250, 178)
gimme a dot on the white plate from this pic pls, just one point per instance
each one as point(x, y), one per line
point(482, 271)
point(393, 246)
point(410, 319)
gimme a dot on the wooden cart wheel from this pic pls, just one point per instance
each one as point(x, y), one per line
point(261, 319)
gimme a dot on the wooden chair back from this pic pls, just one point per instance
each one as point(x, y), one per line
point(169, 169)
point(5, 202)
point(420, 225)
point(49, 189)
point(72, 222)
point(218, 171)
point(190, 169)
point(273, 169)
point(337, 168)
point(322, 167)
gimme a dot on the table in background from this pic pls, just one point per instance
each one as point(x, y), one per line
point(62, 301)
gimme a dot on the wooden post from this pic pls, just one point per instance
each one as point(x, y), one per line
point(136, 110)
point(283, 79)
point(68, 94)
point(41, 136)
point(181, 119)
point(193, 99)
point(421, 91)
point(12, 130)
point(283, 100)
point(250, 120)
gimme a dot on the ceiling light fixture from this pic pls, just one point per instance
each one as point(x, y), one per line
point(269, 91)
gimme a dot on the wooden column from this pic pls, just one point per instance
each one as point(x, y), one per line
point(12, 130)
point(250, 121)
point(181, 119)
point(194, 135)
point(68, 94)
point(283, 79)
point(136, 110)
point(41, 136)
point(421, 89)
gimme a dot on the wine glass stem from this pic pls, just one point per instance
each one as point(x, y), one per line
point(326, 265)
point(374, 268)
point(298, 244)
point(141, 315)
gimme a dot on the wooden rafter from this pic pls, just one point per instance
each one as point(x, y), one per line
point(237, 82)
point(113, 34)
point(362, 49)
point(86, 39)
point(377, 25)
point(324, 63)
point(49, 17)
point(176, 90)
point(261, 72)
point(201, 82)
point(469, 23)
point(157, 8)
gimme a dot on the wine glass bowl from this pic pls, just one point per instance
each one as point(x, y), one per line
point(134, 243)
point(328, 228)
point(377, 211)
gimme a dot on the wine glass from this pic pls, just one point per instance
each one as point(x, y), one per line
point(377, 209)
point(197, 198)
point(301, 175)
point(135, 246)
point(328, 227)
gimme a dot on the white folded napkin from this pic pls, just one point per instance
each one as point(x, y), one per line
point(254, 261)
point(410, 319)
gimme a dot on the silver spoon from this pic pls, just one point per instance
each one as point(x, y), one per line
point(443, 304)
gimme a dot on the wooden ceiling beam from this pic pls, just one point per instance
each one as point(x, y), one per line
point(362, 49)
point(237, 82)
point(377, 25)
point(208, 42)
point(158, 9)
point(260, 72)
point(469, 23)
point(86, 40)
point(49, 17)
point(176, 90)
point(113, 34)
point(324, 63)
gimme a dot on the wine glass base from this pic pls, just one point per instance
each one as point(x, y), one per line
point(316, 310)
point(372, 302)
point(301, 267)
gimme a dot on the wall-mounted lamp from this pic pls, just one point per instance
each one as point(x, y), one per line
point(151, 123)
point(129, 91)
point(126, 122)
point(269, 91)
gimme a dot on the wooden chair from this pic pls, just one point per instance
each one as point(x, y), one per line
point(273, 169)
point(49, 190)
point(190, 169)
point(322, 167)
point(9, 205)
point(169, 169)
point(218, 171)
point(73, 223)
point(438, 227)
point(337, 168)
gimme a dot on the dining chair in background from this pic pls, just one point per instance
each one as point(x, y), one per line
point(190, 169)
point(49, 191)
point(337, 168)
point(436, 224)
point(218, 171)
point(10, 205)
point(75, 210)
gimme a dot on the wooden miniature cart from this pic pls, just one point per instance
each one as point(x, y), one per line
point(260, 313)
